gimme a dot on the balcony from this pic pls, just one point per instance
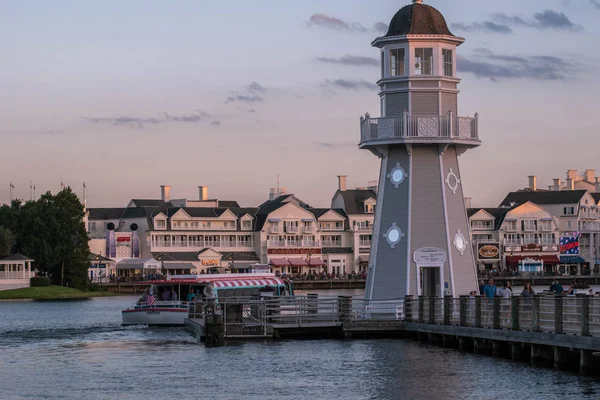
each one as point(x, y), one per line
point(590, 227)
point(274, 229)
point(365, 243)
point(329, 243)
point(308, 229)
point(363, 228)
point(293, 243)
point(291, 229)
point(421, 129)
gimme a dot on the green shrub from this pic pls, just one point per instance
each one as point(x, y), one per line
point(39, 281)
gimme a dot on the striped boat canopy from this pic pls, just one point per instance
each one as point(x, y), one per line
point(248, 283)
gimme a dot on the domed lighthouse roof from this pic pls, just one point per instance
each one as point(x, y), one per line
point(418, 19)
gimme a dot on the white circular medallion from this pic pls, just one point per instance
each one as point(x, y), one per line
point(394, 235)
point(460, 242)
point(397, 175)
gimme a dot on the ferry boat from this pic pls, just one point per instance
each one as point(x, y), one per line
point(157, 308)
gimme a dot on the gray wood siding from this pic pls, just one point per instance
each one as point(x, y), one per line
point(427, 214)
point(424, 103)
point(424, 84)
point(448, 85)
point(395, 104)
point(389, 276)
point(396, 85)
point(465, 278)
point(449, 103)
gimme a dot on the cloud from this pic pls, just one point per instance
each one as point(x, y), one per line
point(329, 22)
point(49, 132)
point(257, 88)
point(596, 3)
point(503, 23)
point(194, 118)
point(488, 64)
point(486, 26)
point(237, 97)
point(349, 84)
point(124, 121)
point(215, 123)
point(350, 60)
point(330, 145)
point(381, 27)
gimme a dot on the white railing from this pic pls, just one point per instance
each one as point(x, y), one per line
point(407, 127)
point(16, 274)
point(362, 228)
point(204, 228)
point(365, 243)
point(308, 229)
point(291, 229)
point(293, 243)
point(328, 243)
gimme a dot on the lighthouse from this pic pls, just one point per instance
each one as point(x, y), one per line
point(420, 241)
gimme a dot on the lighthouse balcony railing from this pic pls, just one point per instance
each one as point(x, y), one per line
point(408, 127)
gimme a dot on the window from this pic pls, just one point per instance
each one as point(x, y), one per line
point(247, 225)
point(245, 241)
point(365, 240)
point(569, 211)
point(547, 225)
point(481, 224)
point(512, 239)
point(369, 208)
point(229, 225)
point(529, 238)
point(92, 227)
point(548, 238)
point(529, 225)
point(205, 224)
point(332, 241)
point(161, 224)
point(309, 240)
point(448, 65)
point(511, 226)
point(194, 225)
point(382, 64)
point(397, 62)
point(291, 226)
point(424, 61)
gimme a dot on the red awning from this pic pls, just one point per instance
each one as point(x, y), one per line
point(298, 262)
point(280, 262)
point(316, 262)
point(553, 259)
point(248, 283)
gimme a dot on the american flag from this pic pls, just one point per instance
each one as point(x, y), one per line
point(150, 299)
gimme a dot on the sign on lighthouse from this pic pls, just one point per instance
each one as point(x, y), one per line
point(421, 234)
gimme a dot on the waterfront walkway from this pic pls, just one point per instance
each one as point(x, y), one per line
point(545, 327)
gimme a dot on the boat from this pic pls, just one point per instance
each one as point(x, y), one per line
point(153, 310)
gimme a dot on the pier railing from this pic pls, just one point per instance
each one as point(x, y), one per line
point(569, 315)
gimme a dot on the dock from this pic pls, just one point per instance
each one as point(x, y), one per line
point(558, 331)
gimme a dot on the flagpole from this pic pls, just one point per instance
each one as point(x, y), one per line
point(34, 190)
point(84, 194)
point(30, 195)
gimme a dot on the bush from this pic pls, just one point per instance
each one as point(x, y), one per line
point(39, 281)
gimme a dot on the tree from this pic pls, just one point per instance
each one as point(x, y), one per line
point(7, 241)
point(52, 232)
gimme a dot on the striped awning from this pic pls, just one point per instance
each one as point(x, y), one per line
point(316, 262)
point(247, 283)
point(298, 262)
point(280, 262)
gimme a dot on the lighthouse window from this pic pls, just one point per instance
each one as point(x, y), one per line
point(448, 67)
point(424, 61)
point(397, 60)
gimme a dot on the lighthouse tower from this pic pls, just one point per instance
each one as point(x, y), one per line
point(420, 241)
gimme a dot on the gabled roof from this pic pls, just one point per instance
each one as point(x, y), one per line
point(150, 203)
point(354, 200)
point(498, 213)
point(228, 204)
point(176, 256)
point(596, 197)
point(105, 213)
point(239, 256)
point(16, 257)
point(542, 198)
point(319, 212)
point(98, 257)
point(269, 206)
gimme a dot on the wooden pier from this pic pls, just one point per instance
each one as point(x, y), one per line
point(560, 331)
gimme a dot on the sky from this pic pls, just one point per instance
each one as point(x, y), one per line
point(128, 96)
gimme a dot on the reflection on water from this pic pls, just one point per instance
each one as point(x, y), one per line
point(78, 350)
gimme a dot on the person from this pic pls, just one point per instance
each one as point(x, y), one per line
point(191, 296)
point(166, 295)
point(145, 296)
point(481, 286)
point(506, 291)
point(490, 290)
point(556, 287)
point(173, 295)
point(528, 290)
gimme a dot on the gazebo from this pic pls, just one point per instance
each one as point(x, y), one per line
point(16, 266)
point(100, 267)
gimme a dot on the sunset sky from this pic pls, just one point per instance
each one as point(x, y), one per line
point(129, 95)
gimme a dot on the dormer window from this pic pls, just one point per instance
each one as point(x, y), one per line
point(448, 62)
point(247, 225)
point(397, 62)
point(369, 208)
point(424, 61)
point(161, 224)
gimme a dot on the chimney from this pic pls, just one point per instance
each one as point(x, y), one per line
point(557, 184)
point(597, 185)
point(203, 193)
point(570, 184)
point(165, 193)
point(590, 175)
point(572, 174)
point(468, 202)
point(342, 183)
point(533, 182)
point(550, 188)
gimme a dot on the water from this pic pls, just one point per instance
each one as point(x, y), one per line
point(78, 350)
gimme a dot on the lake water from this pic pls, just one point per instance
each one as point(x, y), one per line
point(78, 350)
